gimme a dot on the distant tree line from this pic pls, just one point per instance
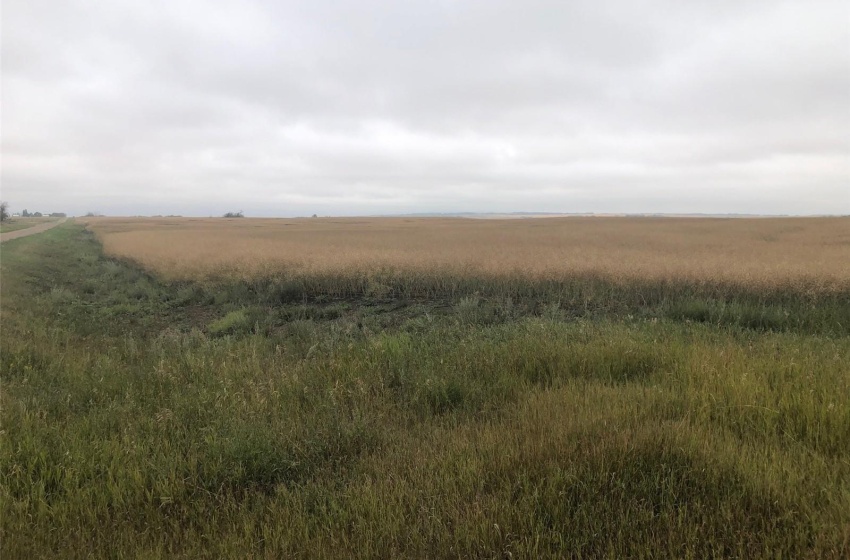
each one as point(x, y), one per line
point(27, 214)
point(239, 214)
point(5, 215)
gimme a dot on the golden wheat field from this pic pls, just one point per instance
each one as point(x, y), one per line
point(810, 252)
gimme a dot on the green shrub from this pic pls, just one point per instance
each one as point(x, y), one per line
point(235, 322)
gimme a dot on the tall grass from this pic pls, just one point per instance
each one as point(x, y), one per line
point(145, 419)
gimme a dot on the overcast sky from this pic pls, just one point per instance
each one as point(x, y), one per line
point(372, 107)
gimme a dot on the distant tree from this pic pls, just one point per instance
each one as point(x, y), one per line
point(36, 214)
point(4, 211)
point(239, 214)
point(25, 213)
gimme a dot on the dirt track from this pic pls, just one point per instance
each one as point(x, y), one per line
point(29, 231)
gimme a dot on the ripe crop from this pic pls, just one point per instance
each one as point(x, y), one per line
point(807, 255)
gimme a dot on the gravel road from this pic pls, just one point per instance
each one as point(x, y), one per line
point(8, 236)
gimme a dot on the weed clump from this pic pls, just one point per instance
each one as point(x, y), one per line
point(234, 322)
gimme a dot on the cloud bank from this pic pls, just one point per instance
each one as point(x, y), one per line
point(372, 107)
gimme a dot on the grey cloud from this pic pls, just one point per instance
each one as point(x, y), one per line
point(284, 108)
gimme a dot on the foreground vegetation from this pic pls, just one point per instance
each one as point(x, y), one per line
point(294, 416)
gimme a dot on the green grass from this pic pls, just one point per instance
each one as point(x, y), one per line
point(145, 419)
point(496, 299)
